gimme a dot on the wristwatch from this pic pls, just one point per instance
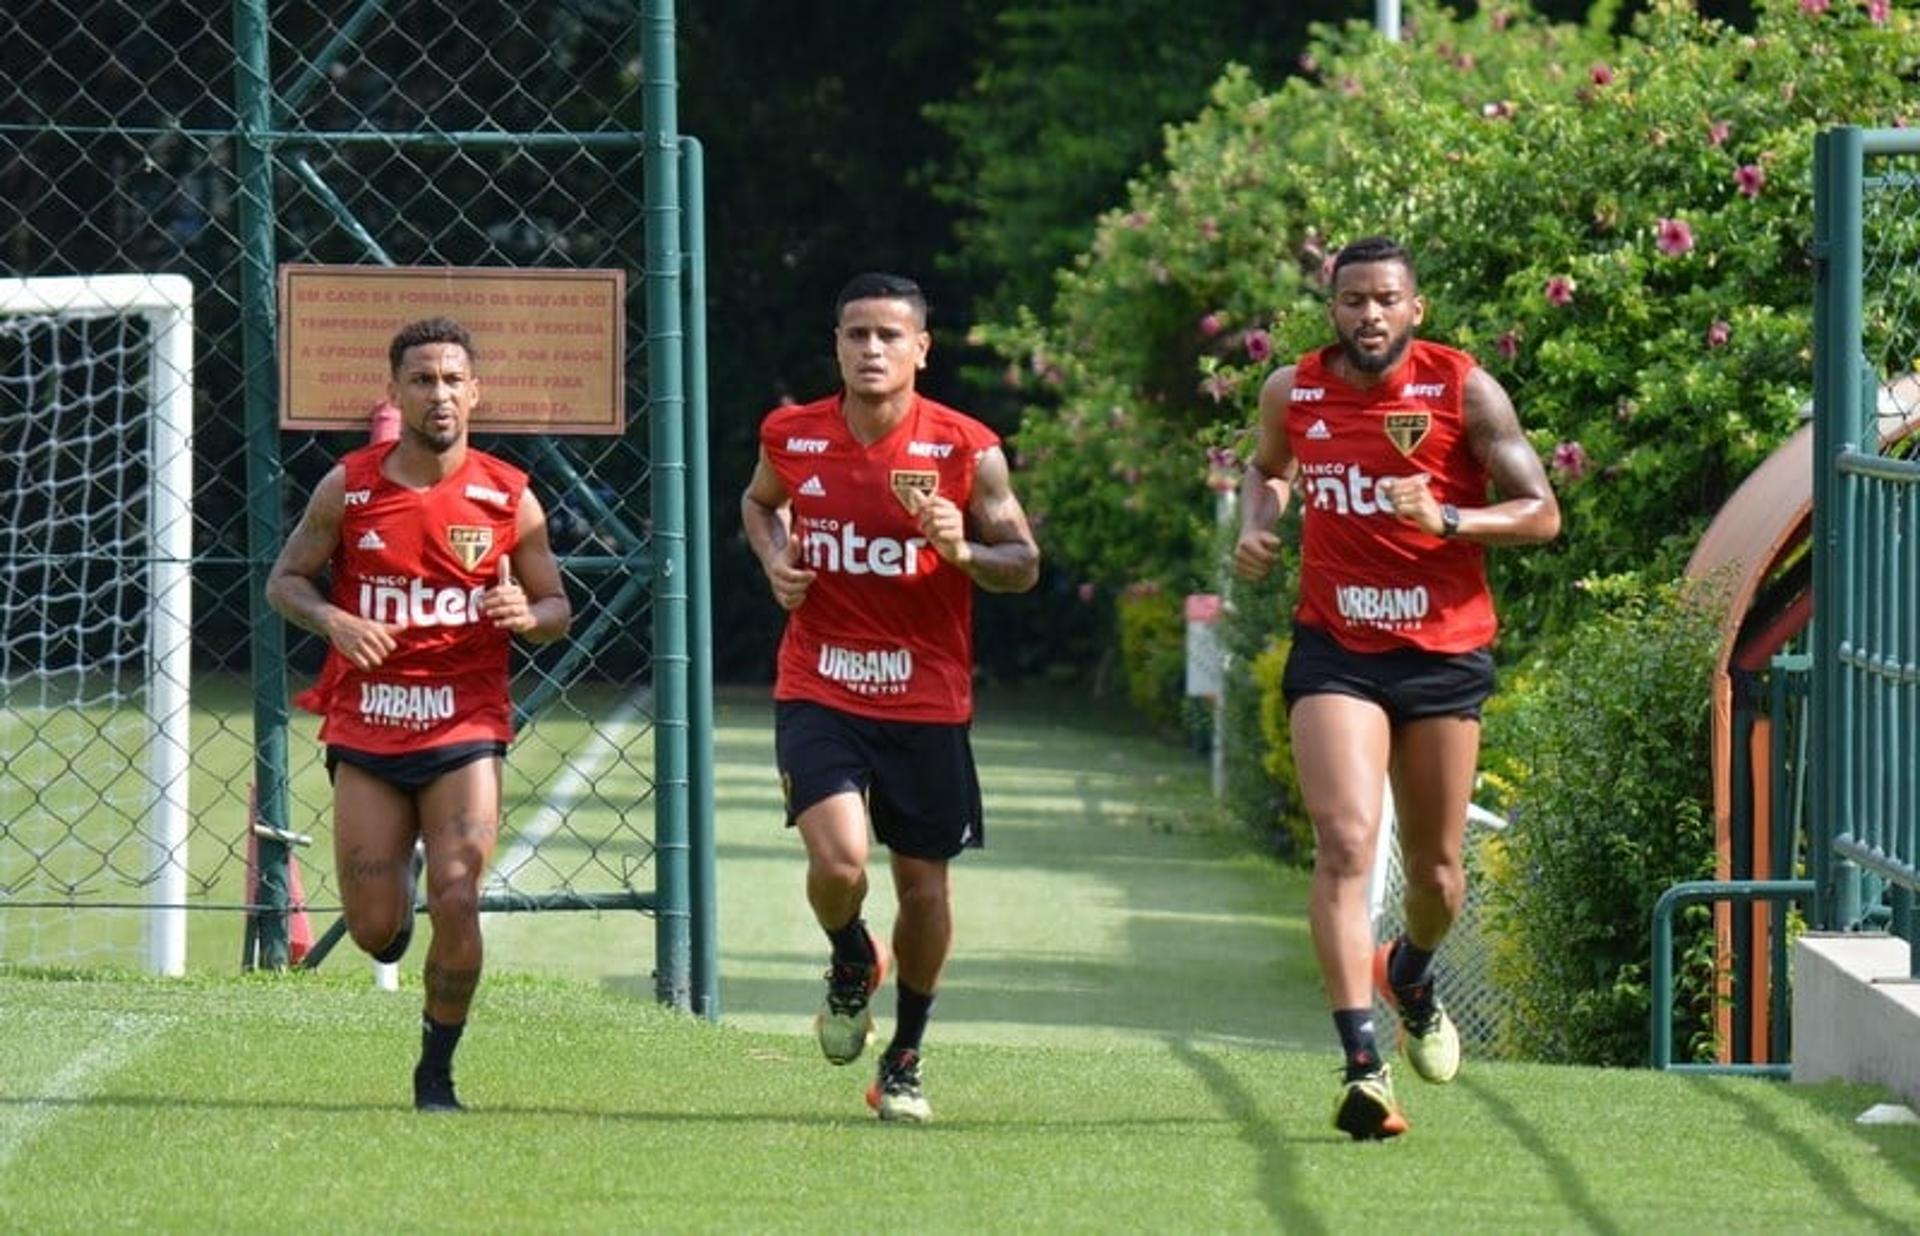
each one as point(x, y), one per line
point(1449, 519)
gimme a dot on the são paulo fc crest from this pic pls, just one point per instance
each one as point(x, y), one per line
point(911, 480)
point(469, 544)
point(1408, 430)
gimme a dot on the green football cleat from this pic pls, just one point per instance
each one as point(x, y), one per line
point(1429, 1041)
point(844, 1024)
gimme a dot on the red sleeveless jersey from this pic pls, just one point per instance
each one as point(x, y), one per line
point(421, 559)
point(1371, 581)
point(886, 629)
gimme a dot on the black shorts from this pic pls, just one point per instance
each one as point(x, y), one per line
point(918, 778)
point(416, 770)
point(1409, 683)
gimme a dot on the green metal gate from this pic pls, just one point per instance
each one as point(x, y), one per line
point(1866, 511)
point(218, 140)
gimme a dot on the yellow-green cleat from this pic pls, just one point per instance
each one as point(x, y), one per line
point(1429, 1041)
point(844, 1024)
point(1365, 1108)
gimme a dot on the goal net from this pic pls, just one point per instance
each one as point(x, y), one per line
point(96, 405)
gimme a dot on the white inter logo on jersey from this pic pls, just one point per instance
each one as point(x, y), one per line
point(407, 601)
point(829, 545)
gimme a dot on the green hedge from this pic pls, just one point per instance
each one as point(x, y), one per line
point(1600, 753)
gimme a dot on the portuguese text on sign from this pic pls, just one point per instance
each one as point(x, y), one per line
point(550, 344)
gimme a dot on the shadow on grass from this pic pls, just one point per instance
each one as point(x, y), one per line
point(1821, 1167)
point(677, 1115)
point(1278, 1172)
point(1108, 895)
point(1562, 1170)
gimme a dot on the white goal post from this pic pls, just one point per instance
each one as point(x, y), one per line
point(165, 302)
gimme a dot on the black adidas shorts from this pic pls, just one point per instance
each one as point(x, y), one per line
point(922, 791)
point(1409, 683)
point(416, 770)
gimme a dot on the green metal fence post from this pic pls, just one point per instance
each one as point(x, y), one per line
point(700, 789)
point(1787, 743)
point(253, 92)
point(1661, 995)
point(668, 438)
point(1837, 252)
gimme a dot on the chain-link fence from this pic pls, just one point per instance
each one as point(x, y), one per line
point(210, 142)
point(1464, 964)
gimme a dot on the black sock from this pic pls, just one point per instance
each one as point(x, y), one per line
point(1355, 1027)
point(851, 944)
point(911, 1010)
point(437, 1042)
point(1408, 965)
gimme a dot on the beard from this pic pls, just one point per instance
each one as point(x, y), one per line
point(1374, 364)
point(436, 440)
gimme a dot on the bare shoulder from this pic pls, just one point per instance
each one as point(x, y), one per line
point(1489, 409)
point(1278, 388)
point(329, 499)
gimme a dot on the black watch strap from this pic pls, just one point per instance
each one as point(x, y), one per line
point(1449, 519)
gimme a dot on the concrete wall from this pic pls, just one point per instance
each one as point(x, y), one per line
point(1856, 1013)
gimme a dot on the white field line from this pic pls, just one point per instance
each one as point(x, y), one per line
point(122, 1039)
point(581, 770)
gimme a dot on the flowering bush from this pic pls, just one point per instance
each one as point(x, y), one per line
point(1618, 229)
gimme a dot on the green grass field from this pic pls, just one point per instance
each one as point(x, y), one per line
point(1130, 1038)
point(271, 1104)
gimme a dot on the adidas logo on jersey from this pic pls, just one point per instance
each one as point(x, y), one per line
point(370, 539)
point(1318, 431)
point(812, 488)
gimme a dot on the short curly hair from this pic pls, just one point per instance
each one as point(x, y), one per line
point(427, 330)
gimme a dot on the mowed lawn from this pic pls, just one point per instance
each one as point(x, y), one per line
point(1130, 1038)
point(276, 1104)
point(1106, 886)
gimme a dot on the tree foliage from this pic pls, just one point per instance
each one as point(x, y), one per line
point(1618, 228)
point(1069, 101)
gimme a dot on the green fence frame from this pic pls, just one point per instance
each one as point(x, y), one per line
point(180, 106)
point(1866, 529)
point(1849, 776)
